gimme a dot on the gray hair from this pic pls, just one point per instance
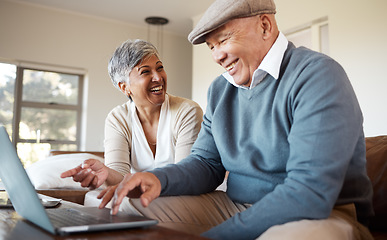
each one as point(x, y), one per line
point(126, 57)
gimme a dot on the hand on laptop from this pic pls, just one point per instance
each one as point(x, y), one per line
point(92, 173)
point(143, 185)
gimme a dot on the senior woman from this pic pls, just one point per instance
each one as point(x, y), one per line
point(150, 130)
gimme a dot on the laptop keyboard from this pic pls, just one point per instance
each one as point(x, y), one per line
point(62, 217)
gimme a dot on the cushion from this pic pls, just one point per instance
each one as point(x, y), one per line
point(45, 174)
point(377, 172)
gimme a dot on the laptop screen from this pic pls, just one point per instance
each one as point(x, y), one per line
point(18, 186)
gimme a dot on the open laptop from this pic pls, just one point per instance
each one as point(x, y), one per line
point(26, 202)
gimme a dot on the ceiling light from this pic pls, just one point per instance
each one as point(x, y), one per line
point(158, 22)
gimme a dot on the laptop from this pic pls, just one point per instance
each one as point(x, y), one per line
point(27, 204)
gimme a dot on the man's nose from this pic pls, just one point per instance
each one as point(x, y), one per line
point(218, 55)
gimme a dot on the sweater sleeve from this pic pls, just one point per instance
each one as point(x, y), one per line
point(200, 172)
point(324, 123)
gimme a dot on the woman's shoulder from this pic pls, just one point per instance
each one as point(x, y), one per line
point(182, 107)
point(176, 102)
point(123, 108)
point(120, 111)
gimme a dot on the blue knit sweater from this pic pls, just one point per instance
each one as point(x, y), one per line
point(294, 147)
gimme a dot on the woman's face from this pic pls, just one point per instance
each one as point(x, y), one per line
point(148, 82)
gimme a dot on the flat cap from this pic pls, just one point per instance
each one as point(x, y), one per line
point(222, 11)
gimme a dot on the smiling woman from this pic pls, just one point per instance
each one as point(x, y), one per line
point(150, 130)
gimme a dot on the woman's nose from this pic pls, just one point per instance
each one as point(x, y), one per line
point(157, 77)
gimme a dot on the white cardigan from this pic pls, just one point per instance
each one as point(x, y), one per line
point(186, 118)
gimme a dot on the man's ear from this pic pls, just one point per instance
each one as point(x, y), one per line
point(266, 25)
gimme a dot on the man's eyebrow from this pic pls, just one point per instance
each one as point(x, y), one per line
point(221, 34)
point(228, 34)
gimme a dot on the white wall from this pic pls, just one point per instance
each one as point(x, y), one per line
point(204, 70)
point(48, 36)
point(358, 37)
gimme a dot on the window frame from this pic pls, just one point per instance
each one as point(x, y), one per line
point(317, 36)
point(19, 104)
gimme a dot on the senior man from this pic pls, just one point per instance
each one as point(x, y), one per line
point(284, 122)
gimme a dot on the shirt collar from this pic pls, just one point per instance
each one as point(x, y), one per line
point(270, 64)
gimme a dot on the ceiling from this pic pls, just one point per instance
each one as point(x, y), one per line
point(178, 12)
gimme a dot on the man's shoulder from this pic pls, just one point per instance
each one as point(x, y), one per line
point(306, 56)
point(219, 84)
point(220, 80)
point(303, 60)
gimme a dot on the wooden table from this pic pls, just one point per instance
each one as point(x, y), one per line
point(12, 226)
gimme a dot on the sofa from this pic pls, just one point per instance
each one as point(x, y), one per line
point(377, 171)
point(376, 168)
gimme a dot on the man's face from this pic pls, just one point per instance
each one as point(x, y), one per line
point(238, 47)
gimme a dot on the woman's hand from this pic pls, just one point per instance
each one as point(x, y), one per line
point(143, 185)
point(91, 173)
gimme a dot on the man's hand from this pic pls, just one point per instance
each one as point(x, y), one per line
point(91, 173)
point(143, 185)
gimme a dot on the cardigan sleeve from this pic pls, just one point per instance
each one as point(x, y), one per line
point(118, 138)
point(186, 120)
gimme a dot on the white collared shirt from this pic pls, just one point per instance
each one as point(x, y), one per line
point(270, 64)
point(142, 158)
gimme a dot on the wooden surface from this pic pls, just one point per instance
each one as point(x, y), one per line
point(12, 226)
point(58, 152)
point(71, 195)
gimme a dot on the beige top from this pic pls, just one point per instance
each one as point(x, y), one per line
point(186, 117)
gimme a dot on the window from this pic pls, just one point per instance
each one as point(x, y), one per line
point(313, 35)
point(41, 109)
